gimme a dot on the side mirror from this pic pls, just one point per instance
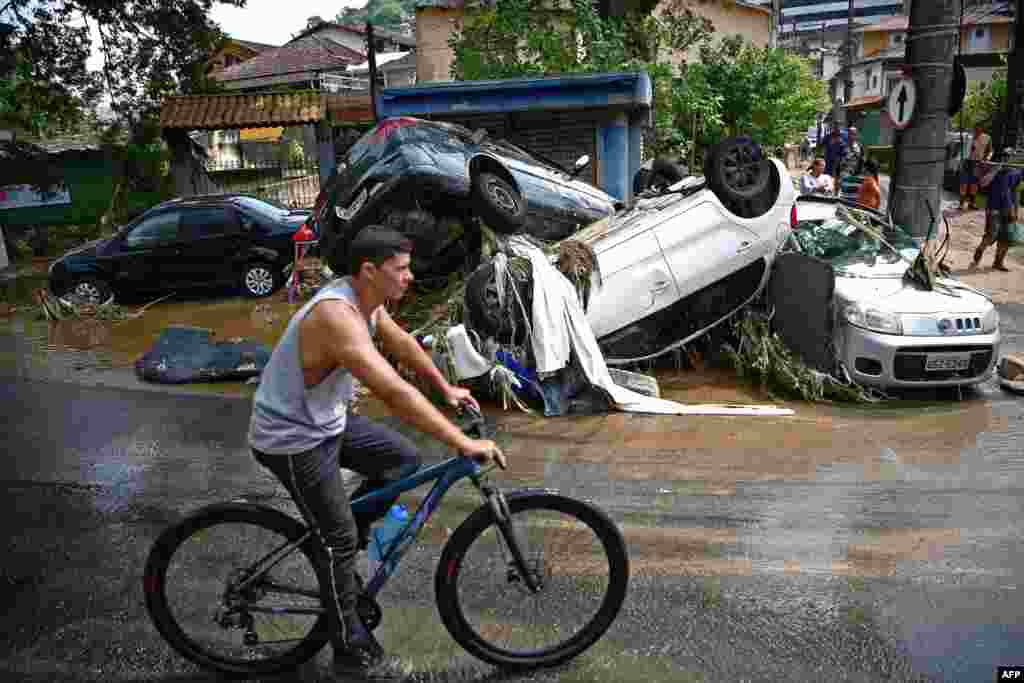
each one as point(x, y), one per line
point(581, 164)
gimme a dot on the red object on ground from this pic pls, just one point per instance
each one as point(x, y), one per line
point(304, 234)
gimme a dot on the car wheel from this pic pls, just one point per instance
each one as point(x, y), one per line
point(661, 174)
point(260, 279)
point(490, 318)
point(90, 290)
point(499, 204)
point(736, 170)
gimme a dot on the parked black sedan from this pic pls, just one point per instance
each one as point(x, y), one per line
point(436, 181)
point(203, 241)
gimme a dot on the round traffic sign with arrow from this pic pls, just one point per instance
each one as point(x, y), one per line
point(902, 100)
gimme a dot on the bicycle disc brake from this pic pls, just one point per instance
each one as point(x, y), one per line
point(369, 611)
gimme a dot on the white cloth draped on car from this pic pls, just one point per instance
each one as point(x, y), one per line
point(560, 327)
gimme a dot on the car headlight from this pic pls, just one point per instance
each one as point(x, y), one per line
point(990, 323)
point(873, 319)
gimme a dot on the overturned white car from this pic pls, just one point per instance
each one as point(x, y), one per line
point(677, 263)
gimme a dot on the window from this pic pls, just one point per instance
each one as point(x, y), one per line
point(158, 229)
point(979, 39)
point(895, 39)
point(206, 222)
point(266, 210)
point(867, 79)
point(874, 82)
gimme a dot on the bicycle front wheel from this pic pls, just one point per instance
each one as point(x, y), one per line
point(575, 553)
point(194, 594)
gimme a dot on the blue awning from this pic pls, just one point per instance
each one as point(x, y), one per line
point(609, 91)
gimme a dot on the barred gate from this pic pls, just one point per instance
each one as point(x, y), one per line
point(295, 185)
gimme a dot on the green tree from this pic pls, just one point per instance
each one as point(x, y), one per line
point(149, 49)
point(984, 104)
point(386, 14)
point(768, 94)
point(532, 38)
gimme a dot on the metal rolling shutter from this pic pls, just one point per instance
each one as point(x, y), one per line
point(494, 123)
point(563, 138)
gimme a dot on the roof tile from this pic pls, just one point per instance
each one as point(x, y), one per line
point(213, 112)
point(311, 53)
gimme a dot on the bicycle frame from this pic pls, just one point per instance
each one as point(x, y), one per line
point(444, 475)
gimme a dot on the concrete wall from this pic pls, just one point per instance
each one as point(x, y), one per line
point(434, 58)
point(434, 25)
point(728, 19)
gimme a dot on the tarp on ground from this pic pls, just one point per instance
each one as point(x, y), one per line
point(189, 354)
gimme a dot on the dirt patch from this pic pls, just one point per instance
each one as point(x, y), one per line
point(966, 230)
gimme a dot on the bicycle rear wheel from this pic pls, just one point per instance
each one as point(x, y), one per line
point(575, 552)
point(191, 596)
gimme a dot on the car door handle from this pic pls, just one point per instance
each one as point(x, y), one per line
point(744, 246)
point(660, 286)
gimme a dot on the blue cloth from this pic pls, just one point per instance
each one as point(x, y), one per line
point(835, 150)
point(1002, 188)
point(188, 354)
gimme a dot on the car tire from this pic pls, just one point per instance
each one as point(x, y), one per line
point(498, 203)
point(737, 171)
point(91, 290)
point(260, 279)
point(487, 317)
point(661, 174)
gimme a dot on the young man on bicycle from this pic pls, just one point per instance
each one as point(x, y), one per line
point(302, 431)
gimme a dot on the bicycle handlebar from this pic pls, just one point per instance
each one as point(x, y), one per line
point(476, 422)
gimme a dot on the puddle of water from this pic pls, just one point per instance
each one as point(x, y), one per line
point(96, 344)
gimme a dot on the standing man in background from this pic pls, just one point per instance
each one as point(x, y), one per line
point(834, 152)
point(981, 150)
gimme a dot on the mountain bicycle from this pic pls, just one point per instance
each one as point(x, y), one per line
point(232, 587)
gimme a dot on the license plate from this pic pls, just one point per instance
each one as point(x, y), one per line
point(937, 362)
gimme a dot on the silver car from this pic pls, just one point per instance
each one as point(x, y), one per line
point(889, 331)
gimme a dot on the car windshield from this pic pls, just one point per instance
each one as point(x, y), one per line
point(263, 207)
point(846, 245)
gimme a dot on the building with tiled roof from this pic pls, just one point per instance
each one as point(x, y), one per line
point(235, 51)
point(299, 63)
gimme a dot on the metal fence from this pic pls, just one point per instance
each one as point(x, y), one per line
point(294, 184)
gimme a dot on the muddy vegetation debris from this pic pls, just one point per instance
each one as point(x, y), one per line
point(71, 307)
point(762, 358)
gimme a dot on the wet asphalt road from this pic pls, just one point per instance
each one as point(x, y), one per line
point(842, 544)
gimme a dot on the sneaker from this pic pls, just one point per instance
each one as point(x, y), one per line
point(362, 652)
point(973, 266)
point(1000, 266)
point(386, 670)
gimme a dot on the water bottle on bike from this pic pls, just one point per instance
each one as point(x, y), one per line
point(383, 536)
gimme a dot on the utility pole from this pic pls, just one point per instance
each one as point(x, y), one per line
point(847, 71)
point(1014, 84)
point(929, 61)
point(848, 74)
point(773, 30)
point(371, 54)
point(821, 65)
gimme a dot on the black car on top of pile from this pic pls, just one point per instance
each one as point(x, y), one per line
point(437, 181)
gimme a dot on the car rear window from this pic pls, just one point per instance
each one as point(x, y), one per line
point(262, 208)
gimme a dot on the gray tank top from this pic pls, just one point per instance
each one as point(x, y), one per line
point(288, 417)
